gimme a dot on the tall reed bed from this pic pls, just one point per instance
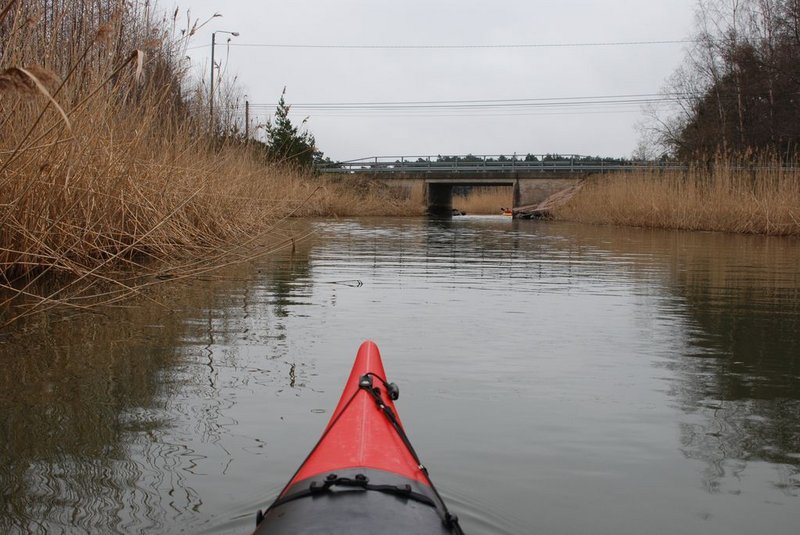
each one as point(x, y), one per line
point(108, 160)
point(484, 200)
point(756, 199)
point(354, 197)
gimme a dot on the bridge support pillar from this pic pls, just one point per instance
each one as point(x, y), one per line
point(440, 199)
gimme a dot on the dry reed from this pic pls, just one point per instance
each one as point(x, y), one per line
point(762, 199)
point(484, 200)
point(107, 165)
point(352, 196)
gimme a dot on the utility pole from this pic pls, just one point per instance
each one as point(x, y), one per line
point(247, 120)
point(211, 93)
point(211, 85)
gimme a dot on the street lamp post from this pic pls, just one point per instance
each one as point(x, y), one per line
point(211, 94)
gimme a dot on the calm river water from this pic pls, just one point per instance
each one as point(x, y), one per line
point(556, 378)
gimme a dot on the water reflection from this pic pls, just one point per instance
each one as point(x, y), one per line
point(109, 419)
point(742, 384)
point(738, 380)
point(569, 367)
point(69, 411)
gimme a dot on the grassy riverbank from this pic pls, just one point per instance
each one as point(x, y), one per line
point(762, 200)
point(110, 169)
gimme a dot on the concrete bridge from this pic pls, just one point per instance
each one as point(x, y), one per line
point(532, 178)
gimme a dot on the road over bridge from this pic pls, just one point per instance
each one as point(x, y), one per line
point(532, 178)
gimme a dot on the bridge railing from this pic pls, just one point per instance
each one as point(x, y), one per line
point(478, 163)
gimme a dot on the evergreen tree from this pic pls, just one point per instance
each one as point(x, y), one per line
point(286, 142)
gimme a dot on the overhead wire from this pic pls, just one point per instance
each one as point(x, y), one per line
point(461, 47)
point(478, 107)
point(453, 46)
point(494, 107)
point(475, 107)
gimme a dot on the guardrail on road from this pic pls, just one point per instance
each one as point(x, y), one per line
point(493, 163)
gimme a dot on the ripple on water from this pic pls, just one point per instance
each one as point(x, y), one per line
point(557, 378)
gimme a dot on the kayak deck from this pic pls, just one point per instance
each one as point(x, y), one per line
point(363, 475)
point(358, 434)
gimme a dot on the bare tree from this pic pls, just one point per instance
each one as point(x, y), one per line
point(737, 88)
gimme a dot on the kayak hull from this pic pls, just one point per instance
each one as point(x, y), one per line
point(363, 475)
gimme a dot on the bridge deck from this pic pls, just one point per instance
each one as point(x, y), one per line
point(386, 165)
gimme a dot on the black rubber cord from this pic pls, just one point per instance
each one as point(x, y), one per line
point(450, 520)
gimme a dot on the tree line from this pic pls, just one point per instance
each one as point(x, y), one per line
point(739, 88)
point(470, 158)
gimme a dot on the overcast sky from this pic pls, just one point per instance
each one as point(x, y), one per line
point(344, 75)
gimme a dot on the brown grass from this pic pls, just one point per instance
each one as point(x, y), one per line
point(109, 174)
point(764, 199)
point(354, 196)
point(484, 200)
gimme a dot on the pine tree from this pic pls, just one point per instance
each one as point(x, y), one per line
point(285, 142)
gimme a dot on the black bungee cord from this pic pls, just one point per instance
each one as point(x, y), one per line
point(365, 383)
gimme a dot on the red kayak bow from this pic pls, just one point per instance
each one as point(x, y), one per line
point(363, 472)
